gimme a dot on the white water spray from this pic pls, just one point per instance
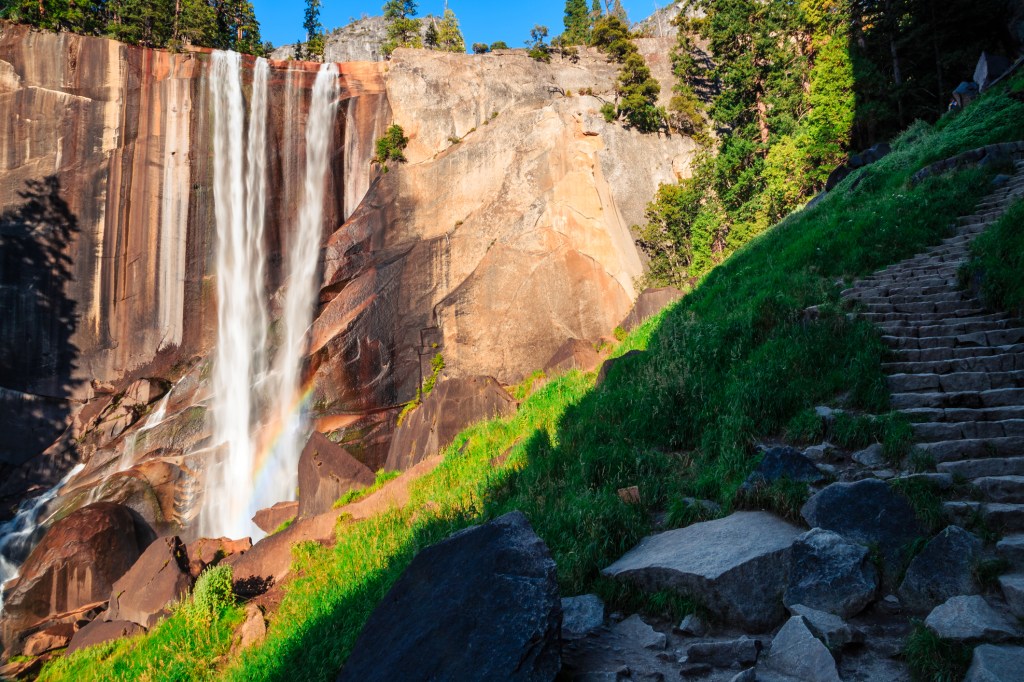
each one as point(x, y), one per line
point(246, 394)
point(19, 535)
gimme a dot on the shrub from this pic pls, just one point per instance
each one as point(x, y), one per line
point(480, 48)
point(609, 112)
point(392, 146)
point(932, 659)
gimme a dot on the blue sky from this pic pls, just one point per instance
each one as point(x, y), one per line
point(483, 21)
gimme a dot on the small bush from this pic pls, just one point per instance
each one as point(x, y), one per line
point(932, 659)
point(436, 367)
point(609, 112)
point(391, 147)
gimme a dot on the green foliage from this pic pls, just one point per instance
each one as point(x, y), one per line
point(805, 428)
point(524, 389)
point(436, 367)
point(783, 497)
point(314, 30)
point(403, 30)
point(381, 479)
point(480, 48)
point(638, 95)
point(932, 659)
point(924, 497)
point(609, 112)
point(611, 36)
point(391, 147)
point(997, 259)
point(987, 572)
point(499, 45)
point(539, 49)
point(283, 526)
point(449, 35)
point(577, 23)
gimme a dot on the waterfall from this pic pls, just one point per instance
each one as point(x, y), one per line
point(247, 394)
point(19, 535)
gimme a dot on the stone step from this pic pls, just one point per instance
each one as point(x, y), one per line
point(928, 268)
point(898, 294)
point(1006, 362)
point(978, 468)
point(974, 448)
point(935, 432)
point(976, 400)
point(955, 415)
point(915, 282)
point(918, 308)
point(956, 382)
point(961, 316)
point(998, 515)
point(1001, 488)
point(1011, 548)
point(910, 330)
point(937, 354)
point(998, 337)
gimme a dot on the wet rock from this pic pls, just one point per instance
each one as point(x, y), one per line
point(496, 586)
point(943, 569)
point(783, 463)
point(159, 578)
point(626, 359)
point(453, 405)
point(737, 566)
point(734, 653)
point(581, 615)
point(636, 630)
point(270, 519)
point(693, 626)
point(832, 630)
point(831, 574)
point(970, 619)
point(650, 302)
point(797, 654)
point(872, 456)
point(326, 472)
point(76, 564)
point(992, 663)
point(573, 354)
point(100, 631)
point(49, 639)
point(211, 551)
point(867, 512)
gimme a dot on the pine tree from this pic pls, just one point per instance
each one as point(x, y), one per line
point(638, 95)
point(449, 36)
point(619, 12)
point(195, 23)
point(577, 23)
point(403, 29)
point(314, 30)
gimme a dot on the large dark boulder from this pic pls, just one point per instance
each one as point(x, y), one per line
point(326, 472)
point(868, 512)
point(943, 569)
point(453, 405)
point(75, 565)
point(481, 605)
point(160, 577)
point(831, 574)
point(649, 303)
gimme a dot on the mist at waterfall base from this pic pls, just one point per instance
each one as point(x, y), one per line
point(258, 405)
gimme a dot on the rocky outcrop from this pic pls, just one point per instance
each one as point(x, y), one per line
point(326, 472)
point(737, 566)
point(831, 574)
point(74, 567)
point(992, 663)
point(650, 302)
point(159, 578)
point(270, 519)
point(581, 615)
point(797, 654)
point(496, 590)
point(970, 619)
point(100, 631)
point(944, 568)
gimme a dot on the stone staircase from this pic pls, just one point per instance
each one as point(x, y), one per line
point(957, 371)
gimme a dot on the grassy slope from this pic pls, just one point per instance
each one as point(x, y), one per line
point(998, 260)
point(733, 362)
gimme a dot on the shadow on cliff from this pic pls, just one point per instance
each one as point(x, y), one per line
point(37, 356)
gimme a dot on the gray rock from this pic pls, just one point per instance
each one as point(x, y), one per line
point(797, 654)
point(996, 664)
point(581, 615)
point(969, 619)
point(495, 585)
point(1012, 586)
point(728, 654)
point(890, 603)
point(885, 474)
point(827, 413)
point(830, 574)
point(693, 626)
point(737, 567)
point(748, 675)
point(709, 507)
point(871, 456)
point(832, 630)
point(783, 463)
point(944, 569)
point(819, 452)
point(635, 629)
point(868, 512)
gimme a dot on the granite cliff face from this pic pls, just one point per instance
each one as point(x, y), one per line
point(505, 233)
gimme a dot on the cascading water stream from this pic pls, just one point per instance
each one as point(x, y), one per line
point(246, 394)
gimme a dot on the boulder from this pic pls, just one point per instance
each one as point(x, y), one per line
point(159, 578)
point(270, 519)
point(76, 564)
point(253, 629)
point(872, 456)
point(832, 630)
point(943, 569)
point(970, 619)
point(100, 631)
point(573, 354)
point(211, 551)
point(54, 637)
point(868, 512)
point(837, 176)
point(992, 663)
point(737, 567)
point(733, 653)
point(831, 574)
point(1012, 587)
point(797, 654)
point(649, 303)
point(626, 359)
point(783, 463)
point(581, 615)
point(453, 405)
point(693, 626)
point(326, 472)
point(636, 630)
point(484, 604)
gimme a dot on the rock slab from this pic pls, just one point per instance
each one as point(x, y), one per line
point(482, 604)
point(326, 472)
point(581, 615)
point(993, 663)
point(100, 631)
point(943, 569)
point(831, 574)
point(970, 619)
point(738, 567)
point(797, 654)
point(159, 578)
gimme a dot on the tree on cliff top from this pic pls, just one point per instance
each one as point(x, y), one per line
point(577, 23)
point(403, 29)
point(314, 31)
point(449, 35)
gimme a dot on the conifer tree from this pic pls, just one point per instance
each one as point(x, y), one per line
point(403, 29)
point(314, 31)
point(577, 23)
point(619, 12)
point(449, 36)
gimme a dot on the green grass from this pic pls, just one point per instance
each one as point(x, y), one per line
point(924, 498)
point(932, 659)
point(997, 260)
point(734, 362)
point(356, 495)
